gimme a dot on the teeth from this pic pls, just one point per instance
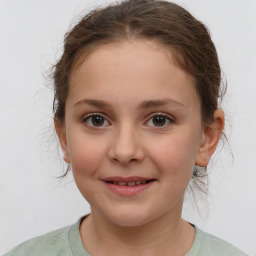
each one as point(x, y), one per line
point(130, 183)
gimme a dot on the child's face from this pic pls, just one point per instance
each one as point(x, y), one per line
point(147, 125)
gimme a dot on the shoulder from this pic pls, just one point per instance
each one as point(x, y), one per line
point(219, 246)
point(207, 244)
point(52, 243)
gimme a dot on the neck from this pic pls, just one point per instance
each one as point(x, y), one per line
point(166, 235)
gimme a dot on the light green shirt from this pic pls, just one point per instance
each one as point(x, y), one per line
point(67, 242)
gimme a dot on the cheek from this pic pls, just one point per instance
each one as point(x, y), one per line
point(175, 166)
point(175, 156)
point(86, 154)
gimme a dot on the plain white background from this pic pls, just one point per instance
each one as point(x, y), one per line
point(32, 202)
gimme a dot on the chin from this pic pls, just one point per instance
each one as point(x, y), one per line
point(130, 218)
point(129, 221)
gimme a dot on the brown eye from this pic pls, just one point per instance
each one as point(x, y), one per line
point(159, 120)
point(96, 121)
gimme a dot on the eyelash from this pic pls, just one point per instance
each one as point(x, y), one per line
point(160, 114)
point(88, 117)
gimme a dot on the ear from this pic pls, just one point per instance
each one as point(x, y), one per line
point(210, 138)
point(60, 129)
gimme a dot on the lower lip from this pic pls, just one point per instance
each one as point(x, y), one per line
point(128, 190)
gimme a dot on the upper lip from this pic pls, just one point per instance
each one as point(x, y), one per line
point(126, 179)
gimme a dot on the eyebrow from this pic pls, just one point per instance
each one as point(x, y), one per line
point(159, 103)
point(94, 103)
point(145, 104)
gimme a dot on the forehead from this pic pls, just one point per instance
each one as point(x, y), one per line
point(138, 68)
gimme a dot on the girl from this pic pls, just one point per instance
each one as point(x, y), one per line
point(136, 113)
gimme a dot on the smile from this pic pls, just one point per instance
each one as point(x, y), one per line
point(131, 183)
point(128, 186)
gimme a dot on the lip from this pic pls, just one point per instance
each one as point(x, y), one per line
point(128, 190)
point(126, 179)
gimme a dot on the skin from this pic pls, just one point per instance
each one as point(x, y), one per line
point(130, 143)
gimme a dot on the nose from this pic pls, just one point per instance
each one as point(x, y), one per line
point(126, 146)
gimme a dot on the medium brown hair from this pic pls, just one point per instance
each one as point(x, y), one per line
point(164, 22)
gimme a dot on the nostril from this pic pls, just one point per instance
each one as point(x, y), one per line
point(123, 160)
point(124, 152)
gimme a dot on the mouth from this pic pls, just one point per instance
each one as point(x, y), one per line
point(128, 186)
point(130, 183)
